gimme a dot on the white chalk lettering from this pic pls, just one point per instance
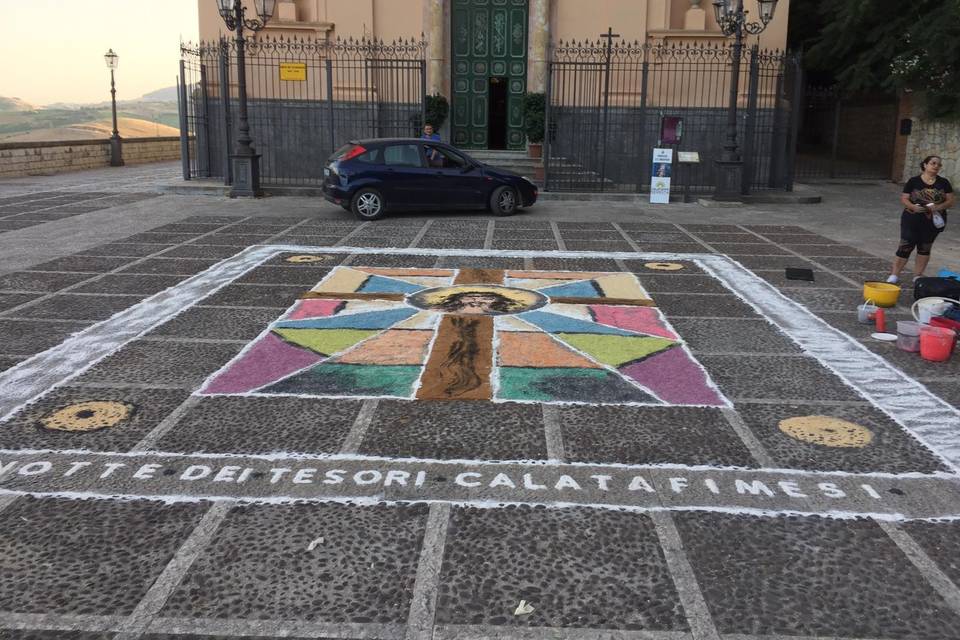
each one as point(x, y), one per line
point(502, 480)
point(395, 476)
point(146, 471)
point(334, 476)
point(638, 483)
point(528, 483)
point(754, 488)
point(831, 490)
point(74, 467)
point(196, 472)
point(712, 486)
point(110, 467)
point(462, 479)
point(566, 482)
point(791, 489)
point(227, 474)
point(278, 472)
point(367, 476)
point(421, 478)
point(304, 476)
point(35, 468)
point(10, 466)
point(678, 484)
point(244, 475)
point(870, 491)
point(602, 482)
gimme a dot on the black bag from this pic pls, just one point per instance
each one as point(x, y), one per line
point(939, 287)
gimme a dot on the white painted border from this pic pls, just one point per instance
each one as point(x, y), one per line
point(928, 418)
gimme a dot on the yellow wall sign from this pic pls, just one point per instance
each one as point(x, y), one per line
point(293, 71)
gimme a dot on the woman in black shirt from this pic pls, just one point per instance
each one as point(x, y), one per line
point(925, 199)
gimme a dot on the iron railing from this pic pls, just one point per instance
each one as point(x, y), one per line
point(305, 99)
point(608, 102)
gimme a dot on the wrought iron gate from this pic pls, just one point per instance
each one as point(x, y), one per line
point(305, 99)
point(608, 102)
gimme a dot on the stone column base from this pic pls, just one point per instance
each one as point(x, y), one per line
point(729, 180)
point(246, 176)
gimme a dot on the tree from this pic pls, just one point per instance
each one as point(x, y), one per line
point(887, 44)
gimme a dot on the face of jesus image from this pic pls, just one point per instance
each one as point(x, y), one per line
point(477, 303)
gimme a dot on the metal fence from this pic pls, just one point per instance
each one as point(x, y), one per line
point(609, 101)
point(305, 99)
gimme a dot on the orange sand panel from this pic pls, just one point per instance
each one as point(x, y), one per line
point(402, 273)
point(558, 275)
point(538, 350)
point(391, 347)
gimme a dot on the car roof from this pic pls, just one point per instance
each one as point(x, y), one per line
point(372, 141)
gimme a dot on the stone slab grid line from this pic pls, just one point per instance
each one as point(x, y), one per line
point(423, 601)
point(483, 632)
point(351, 444)
point(754, 446)
point(556, 236)
point(553, 433)
point(150, 440)
point(924, 564)
point(800, 255)
point(174, 572)
point(488, 239)
point(691, 597)
point(26, 214)
point(99, 276)
point(360, 227)
point(626, 237)
point(422, 232)
point(703, 243)
point(923, 414)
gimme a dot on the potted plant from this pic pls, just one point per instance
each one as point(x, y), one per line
point(534, 117)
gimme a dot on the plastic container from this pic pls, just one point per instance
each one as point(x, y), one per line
point(908, 335)
point(946, 323)
point(883, 294)
point(936, 343)
point(866, 312)
point(925, 309)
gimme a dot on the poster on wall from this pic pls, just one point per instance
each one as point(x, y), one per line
point(662, 167)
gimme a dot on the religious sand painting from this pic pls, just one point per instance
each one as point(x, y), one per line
point(472, 334)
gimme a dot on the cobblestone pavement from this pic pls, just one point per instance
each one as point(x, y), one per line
point(265, 419)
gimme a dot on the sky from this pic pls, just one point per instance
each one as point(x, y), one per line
point(53, 49)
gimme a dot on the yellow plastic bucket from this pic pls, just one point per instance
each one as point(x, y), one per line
point(882, 294)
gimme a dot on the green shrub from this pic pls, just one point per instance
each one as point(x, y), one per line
point(534, 116)
point(437, 110)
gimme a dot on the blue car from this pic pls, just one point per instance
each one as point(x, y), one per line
point(374, 177)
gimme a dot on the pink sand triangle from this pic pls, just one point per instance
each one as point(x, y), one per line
point(640, 319)
point(318, 308)
point(675, 377)
point(267, 361)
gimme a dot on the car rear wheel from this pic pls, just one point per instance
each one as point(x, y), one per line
point(503, 201)
point(367, 204)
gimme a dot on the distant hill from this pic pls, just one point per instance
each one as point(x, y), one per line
point(167, 94)
point(15, 104)
point(101, 129)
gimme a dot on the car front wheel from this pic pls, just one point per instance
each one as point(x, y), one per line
point(367, 204)
point(503, 201)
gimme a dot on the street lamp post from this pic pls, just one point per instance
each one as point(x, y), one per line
point(246, 161)
point(732, 20)
point(116, 146)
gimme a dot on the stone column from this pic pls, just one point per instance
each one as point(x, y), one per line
point(434, 31)
point(538, 42)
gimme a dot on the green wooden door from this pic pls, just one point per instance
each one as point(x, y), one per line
point(489, 39)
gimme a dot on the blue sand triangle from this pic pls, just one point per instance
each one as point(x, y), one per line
point(553, 323)
point(379, 284)
point(582, 289)
point(369, 320)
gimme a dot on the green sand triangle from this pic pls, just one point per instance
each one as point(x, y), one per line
point(350, 380)
point(325, 341)
point(566, 384)
point(615, 350)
